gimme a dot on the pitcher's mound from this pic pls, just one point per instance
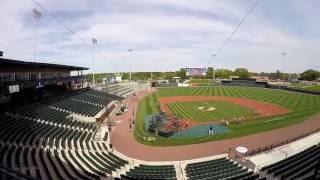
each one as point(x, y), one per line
point(207, 109)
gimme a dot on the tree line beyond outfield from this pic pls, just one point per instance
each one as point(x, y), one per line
point(309, 75)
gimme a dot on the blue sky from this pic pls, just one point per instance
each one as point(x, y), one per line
point(165, 34)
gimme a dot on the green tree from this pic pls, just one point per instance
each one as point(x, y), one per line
point(223, 73)
point(169, 75)
point(125, 76)
point(241, 72)
point(182, 73)
point(310, 75)
point(209, 73)
point(279, 74)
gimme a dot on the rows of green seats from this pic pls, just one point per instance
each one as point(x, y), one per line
point(19, 130)
point(222, 168)
point(94, 157)
point(151, 172)
point(40, 142)
point(118, 90)
point(77, 107)
point(302, 165)
point(125, 92)
point(41, 111)
point(92, 99)
point(105, 95)
point(10, 159)
point(9, 174)
point(112, 87)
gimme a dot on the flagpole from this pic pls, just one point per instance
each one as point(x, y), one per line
point(37, 15)
point(130, 65)
point(94, 41)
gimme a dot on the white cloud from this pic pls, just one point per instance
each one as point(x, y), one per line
point(165, 35)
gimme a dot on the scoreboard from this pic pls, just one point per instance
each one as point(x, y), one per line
point(196, 71)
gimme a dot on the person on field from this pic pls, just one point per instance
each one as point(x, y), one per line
point(235, 120)
point(211, 130)
point(227, 123)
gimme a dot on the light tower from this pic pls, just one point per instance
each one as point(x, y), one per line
point(213, 72)
point(37, 15)
point(94, 42)
point(284, 56)
point(130, 65)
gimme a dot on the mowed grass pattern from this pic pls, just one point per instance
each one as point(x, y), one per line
point(313, 88)
point(291, 100)
point(226, 110)
point(302, 107)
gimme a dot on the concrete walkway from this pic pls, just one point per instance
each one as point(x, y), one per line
point(285, 151)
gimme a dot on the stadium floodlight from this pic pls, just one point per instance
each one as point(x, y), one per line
point(284, 56)
point(130, 64)
point(94, 42)
point(37, 15)
point(213, 72)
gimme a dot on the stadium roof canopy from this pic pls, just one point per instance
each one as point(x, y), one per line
point(17, 63)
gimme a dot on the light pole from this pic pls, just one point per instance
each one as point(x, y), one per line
point(37, 15)
point(213, 72)
point(94, 41)
point(284, 56)
point(130, 65)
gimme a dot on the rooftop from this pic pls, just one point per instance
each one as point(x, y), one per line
point(26, 64)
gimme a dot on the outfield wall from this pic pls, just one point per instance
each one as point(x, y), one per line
point(294, 89)
point(249, 83)
point(304, 91)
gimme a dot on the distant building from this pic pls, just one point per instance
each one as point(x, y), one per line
point(260, 78)
point(118, 77)
point(234, 77)
point(112, 78)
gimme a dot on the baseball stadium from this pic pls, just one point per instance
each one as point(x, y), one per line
point(85, 116)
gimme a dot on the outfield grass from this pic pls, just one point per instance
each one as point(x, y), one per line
point(306, 87)
point(189, 110)
point(301, 105)
point(313, 88)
